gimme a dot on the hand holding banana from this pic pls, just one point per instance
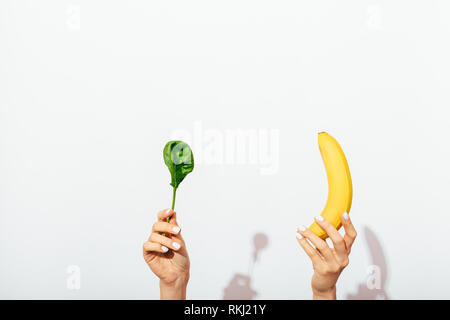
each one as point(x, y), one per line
point(329, 262)
point(340, 189)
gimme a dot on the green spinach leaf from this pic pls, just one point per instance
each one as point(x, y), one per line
point(179, 159)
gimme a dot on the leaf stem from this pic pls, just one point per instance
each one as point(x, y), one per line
point(173, 201)
point(173, 197)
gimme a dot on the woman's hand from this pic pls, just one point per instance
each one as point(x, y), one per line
point(328, 263)
point(166, 255)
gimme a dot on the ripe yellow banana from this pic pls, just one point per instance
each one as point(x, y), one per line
point(340, 189)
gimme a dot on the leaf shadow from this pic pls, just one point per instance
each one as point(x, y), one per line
point(239, 287)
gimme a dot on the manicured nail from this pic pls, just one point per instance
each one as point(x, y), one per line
point(345, 215)
point(164, 248)
point(299, 236)
point(319, 218)
point(176, 245)
point(302, 228)
point(176, 229)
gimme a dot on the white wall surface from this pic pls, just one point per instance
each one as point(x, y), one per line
point(90, 91)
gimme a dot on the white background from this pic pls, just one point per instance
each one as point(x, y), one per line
point(90, 91)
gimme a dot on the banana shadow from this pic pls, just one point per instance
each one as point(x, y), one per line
point(239, 287)
point(374, 287)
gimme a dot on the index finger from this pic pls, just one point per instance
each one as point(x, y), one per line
point(309, 250)
point(338, 241)
point(173, 218)
point(320, 244)
point(164, 214)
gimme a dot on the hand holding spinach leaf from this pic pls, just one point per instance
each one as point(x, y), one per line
point(179, 159)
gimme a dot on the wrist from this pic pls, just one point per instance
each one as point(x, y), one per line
point(175, 290)
point(329, 294)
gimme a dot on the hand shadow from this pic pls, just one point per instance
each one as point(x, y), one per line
point(374, 287)
point(239, 287)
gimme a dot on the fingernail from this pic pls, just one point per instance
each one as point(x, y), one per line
point(302, 228)
point(319, 218)
point(176, 229)
point(164, 248)
point(168, 210)
point(299, 236)
point(345, 215)
point(176, 245)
